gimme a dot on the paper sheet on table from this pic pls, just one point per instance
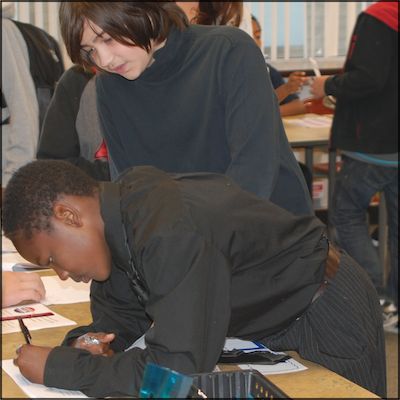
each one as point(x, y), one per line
point(21, 267)
point(65, 292)
point(52, 321)
point(34, 390)
point(7, 245)
point(318, 121)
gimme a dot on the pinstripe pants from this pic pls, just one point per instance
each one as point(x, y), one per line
point(342, 330)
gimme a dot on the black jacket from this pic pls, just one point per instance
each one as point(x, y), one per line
point(214, 261)
point(366, 118)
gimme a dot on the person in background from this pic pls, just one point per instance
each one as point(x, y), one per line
point(289, 102)
point(32, 65)
point(20, 286)
point(71, 129)
point(20, 125)
point(365, 129)
point(187, 260)
point(165, 102)
point(232, 13)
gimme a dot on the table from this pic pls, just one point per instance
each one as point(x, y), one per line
point(317, 381)
point(310, 138)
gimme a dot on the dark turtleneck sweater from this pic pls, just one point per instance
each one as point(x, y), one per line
point(205, 105)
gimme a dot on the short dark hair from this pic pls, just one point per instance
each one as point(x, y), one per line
point(33, 189)
point(137, 21)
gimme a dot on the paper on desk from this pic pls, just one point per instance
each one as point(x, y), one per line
point(21, 267)
point(34, 390)
point(65, 292)
point(7, 245)
point(32, 324)
point(317, 121)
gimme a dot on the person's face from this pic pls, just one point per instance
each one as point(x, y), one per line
point(75, 248)
point(113, 56)
point(256, 33)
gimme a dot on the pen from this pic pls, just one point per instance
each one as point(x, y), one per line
point(12, 317)
point(25, 331)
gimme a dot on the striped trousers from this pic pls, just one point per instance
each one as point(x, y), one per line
point(342, 330)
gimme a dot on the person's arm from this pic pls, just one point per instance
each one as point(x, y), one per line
point(294, 107)
point(295, 82)
point(368, 66)
point(252, 120)
point(20, 286)
point(190, 305)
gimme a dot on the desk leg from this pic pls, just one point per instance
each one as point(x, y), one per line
point(309, 160)
point(331, 184)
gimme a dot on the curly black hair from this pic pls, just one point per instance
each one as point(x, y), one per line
point(30, 194)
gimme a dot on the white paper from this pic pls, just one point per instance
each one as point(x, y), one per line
point(21, 267)
point(317, 121)
point(284, 367)
point(65, 292)
point(36, 391)
point(7, 245)
point(52, 321)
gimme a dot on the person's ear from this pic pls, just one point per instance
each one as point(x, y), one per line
point(67, 214)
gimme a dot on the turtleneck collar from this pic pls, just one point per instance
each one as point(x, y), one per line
point(167, 59)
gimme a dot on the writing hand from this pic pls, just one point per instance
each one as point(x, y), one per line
point(95, 343)
point(31, 361)
point(20, 286)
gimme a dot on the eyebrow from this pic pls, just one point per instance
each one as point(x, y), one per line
point(98, 35)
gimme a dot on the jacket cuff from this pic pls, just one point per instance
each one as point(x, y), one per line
point(63, 359)
point(329, 86)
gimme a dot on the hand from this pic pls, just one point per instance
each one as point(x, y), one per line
point(95, 343)
point(317, 88)
point(20, 286)
point(296, 81)
point(31, 361)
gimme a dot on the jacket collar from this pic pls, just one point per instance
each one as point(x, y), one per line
point(111, 213)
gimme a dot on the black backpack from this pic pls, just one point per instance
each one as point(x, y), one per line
point(46, 64)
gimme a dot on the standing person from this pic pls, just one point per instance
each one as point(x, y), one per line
point(365, 129)
point(187, 259)
point(184, 98)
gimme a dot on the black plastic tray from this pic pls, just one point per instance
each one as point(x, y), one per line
point(241, 384)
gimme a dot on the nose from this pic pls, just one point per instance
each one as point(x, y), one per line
point(63, 275)
point(104, 57)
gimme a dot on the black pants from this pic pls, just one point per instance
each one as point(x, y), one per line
point(342, 330)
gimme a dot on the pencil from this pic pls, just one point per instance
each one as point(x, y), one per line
point(25, 331)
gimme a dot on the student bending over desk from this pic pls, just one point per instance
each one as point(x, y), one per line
point(187, 259)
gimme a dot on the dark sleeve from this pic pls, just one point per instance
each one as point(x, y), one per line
point(189, 282)
point(253, 122)
point(369, 60)
point(115, 309)
point(59, 138)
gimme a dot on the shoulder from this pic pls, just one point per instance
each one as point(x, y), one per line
point(75, 79)
point(218, 34)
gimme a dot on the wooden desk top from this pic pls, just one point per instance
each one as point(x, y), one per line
point(301, 136)
point(315, 382)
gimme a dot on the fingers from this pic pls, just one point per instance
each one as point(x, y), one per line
point(95, 343)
